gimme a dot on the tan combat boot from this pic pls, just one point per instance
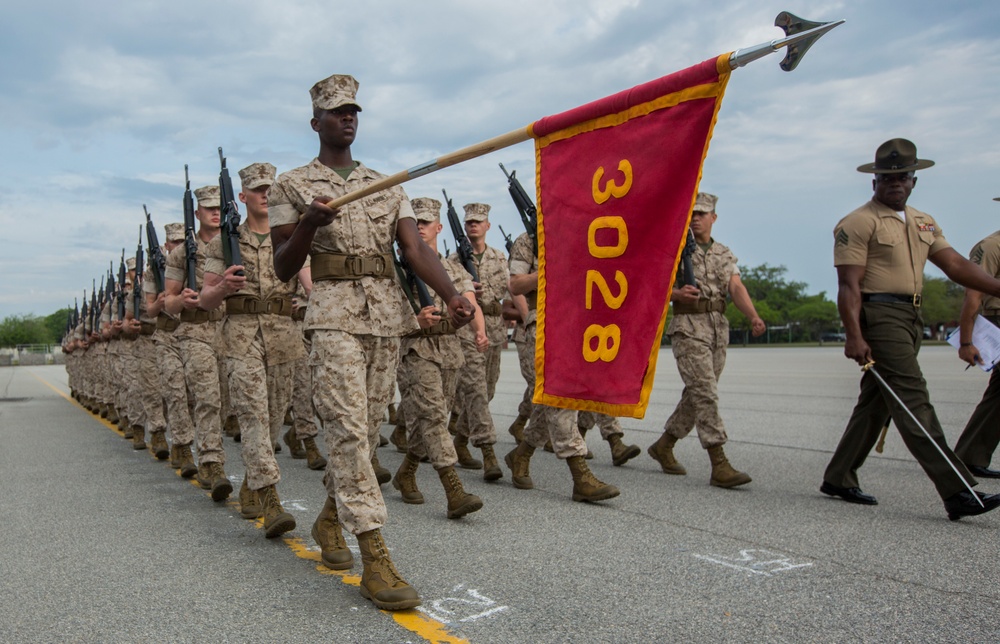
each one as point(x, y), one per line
point(328, 536)
point(250, 507)
point(204, 476)
point(586, 486)
point(187, 466)
point(112, 415)
point(380, 581)
point(175, 457)
point(288, 417)
point(294, 444)
point(398, 438)
point(519, 460)
point(138, 437)
point(583, 435)
point(460, 502)
point(276, 521)
point(102, 411)
point(314, 460)
point(491, 468)
point(125, 426)
point(723, 474)
point(158, 443)
point(465, 459)
point(453, 424)
point(662, 451)
point(620, 452)
point(221, 487)
point(516, 428)
point(382, 475)
point(392, 413)
point(406, 482)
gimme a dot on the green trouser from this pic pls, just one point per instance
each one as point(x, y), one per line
point(982, 433)
point(894, 332)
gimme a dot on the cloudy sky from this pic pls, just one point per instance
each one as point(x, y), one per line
point(103, 103)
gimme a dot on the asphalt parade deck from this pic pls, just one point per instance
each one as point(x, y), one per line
point(103, 543)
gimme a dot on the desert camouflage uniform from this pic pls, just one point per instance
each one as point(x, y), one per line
point(304, 421)
point(198, 349)
point(146, 374)
point(355, 325)
point(260, 349)
point(170, 367)
point(545, 423)
point(698, 341)
point(429, 366)
point(478, 379)
point(608, 425)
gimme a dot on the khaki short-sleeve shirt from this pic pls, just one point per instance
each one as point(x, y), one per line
point(279, 333)
point(367, 227)
point(892, 251)
point(987, 254)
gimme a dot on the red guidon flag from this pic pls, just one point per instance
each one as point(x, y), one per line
point(616, 182)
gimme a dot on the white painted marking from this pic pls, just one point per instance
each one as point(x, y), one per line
point(756, 562)
point(457, 608)
point(295, 504)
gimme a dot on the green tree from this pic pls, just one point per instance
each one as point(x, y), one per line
point(815, 315)
point(26, 329)
point(942, 301)
point(56, 324)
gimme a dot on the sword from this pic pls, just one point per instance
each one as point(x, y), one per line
point(870, 368)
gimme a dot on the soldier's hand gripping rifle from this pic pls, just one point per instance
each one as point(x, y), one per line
point(190, 244)
point(230, 218)
point(157, 262)
point(121, 288)
point(411, 283)
point(462, 245)
point(140, 264)
point(525, 207)
point(507, 241)
point(687, 266)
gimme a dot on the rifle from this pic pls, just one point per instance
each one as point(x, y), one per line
point(447, 253)
point(411, 283)
point(190, 244)
point(85, 315)
point(76, 312)
point(93, 305)
point(525, 207)
point(136, 290)
point(157, 262)
point(462, 245)
point(687, 267)
point(230, 218)
point(121, 288)
point(506, 240)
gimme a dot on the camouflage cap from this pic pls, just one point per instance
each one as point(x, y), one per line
point(477, 211)
point(256, 175)
point(426, 209)
point(174, 231)
point(705, 202)
point(208, 197)
point(130, 263)
point(336, 91)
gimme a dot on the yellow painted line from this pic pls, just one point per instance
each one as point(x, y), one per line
point(412, 620)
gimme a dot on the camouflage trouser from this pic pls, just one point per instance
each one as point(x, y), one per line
point(474, 394)
point(353, 377)
point(147, 380)
point(129, 385)
point(201, 373)
point(700, 364)
point(173, 387)
point(429, 391)
point(302, 407)
point(550, 423)
point(225, 410)
point(259, 394)
point(609, 425)
point(527, 364)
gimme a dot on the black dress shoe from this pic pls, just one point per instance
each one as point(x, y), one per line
point(964, 504)
point(849, 494)
point(983, 472)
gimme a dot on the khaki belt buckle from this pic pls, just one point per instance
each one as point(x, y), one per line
point(355, 265)
point(379, 265)
point(917, 300)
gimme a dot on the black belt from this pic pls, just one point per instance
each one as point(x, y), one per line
point(893, 298)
